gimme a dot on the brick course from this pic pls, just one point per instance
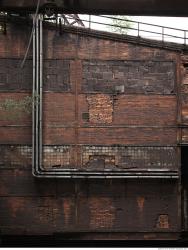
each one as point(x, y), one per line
point(138, 77)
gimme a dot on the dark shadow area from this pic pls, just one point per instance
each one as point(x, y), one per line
point(184, 164)
point(51, 241)
point(184, 178)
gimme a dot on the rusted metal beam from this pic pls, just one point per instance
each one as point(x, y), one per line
point(126, 7)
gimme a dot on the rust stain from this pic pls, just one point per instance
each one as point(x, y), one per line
point(140, 202)
point(150, 236)
point(163, 221)
point(16, 205)
point(67, 207)
point(45, 214)
point(3, 189)
point(102, 213)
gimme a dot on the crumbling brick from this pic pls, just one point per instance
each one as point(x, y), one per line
point(102, 213)
point(100, 108)
point(140, 77)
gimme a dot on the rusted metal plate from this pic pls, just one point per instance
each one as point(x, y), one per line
point(19, 182)
point(149, 206)
point(146, 202)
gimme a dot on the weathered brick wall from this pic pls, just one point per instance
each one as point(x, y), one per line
point(137, 77)
point(13, 77)
point(144, 114)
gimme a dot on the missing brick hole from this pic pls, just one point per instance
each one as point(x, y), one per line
point(101, 162)
point(163, 221)
point(85, 116)
point(100, 108)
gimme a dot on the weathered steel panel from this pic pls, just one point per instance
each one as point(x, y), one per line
point(19, 182)
point(149, 206)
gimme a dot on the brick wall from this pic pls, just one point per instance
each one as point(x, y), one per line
point(138, 118)
point(137, 77)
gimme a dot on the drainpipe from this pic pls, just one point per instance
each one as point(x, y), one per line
point(37, 94)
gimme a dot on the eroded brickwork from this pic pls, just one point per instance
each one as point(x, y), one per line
point(15, 78)
point(102, 213)
point(100, 108)
point(163, 221)
point(127, 77)
point(113, 157)
point(86, 65)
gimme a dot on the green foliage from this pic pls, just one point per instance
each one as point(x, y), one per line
point(120, 26)
point(15, 109)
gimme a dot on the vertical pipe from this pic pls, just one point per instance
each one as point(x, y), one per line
point(37, 92)
point(40, 93)
point(33, 96)
point(138, 29)
point(185, 37)
point(89, 21)
point(162, 34)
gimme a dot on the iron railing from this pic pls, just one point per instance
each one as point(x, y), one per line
point(134, 28)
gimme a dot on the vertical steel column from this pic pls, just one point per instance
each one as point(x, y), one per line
point(37, 94)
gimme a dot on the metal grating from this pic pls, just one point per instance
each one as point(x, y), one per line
point(15, 155)
point(126, 157)
point(19, 155)
point(93, 158)
point(56, 156)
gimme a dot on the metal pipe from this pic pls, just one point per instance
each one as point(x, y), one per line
point(37, 92)
point(33, 96)
point(37, 126)
point(40, 91)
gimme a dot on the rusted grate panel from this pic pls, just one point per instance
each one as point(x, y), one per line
point(124, 157)
point(19, 155)
point(15, 155)
point(57, 157)
point(93, 157)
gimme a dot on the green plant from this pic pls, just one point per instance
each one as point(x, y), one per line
point(14, 109)
point(120, 24)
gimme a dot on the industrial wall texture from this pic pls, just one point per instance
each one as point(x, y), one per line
point(109, 104)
